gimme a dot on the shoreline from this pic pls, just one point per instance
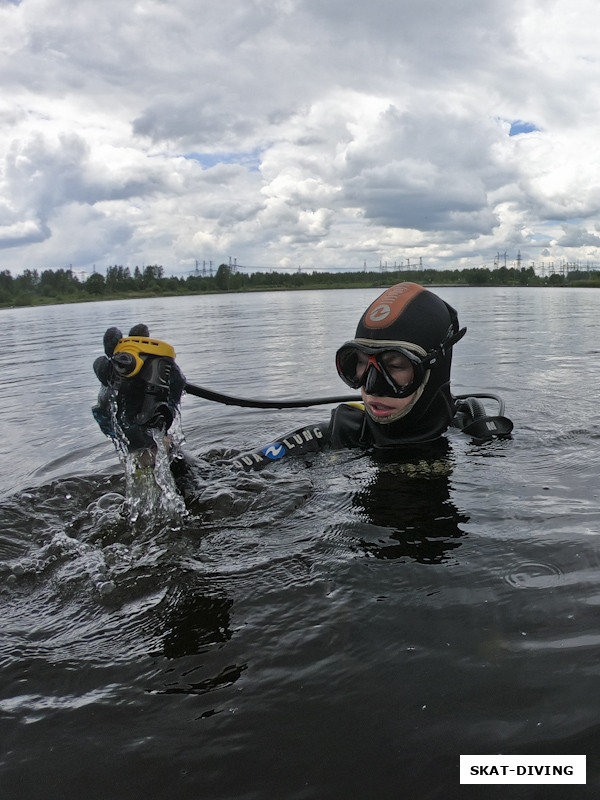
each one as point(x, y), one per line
point(137, 295)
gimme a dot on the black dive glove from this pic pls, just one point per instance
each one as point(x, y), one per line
point(141, 387)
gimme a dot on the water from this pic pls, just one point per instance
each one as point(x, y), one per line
point(335, 628)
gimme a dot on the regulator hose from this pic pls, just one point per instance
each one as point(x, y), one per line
point(228, 400)
point(217, 397)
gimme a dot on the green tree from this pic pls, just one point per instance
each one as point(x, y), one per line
point(526, 275)
point(478, 276)
point(223, 277)
point(95, 284)
point(153, 273)
point(6, 281)
point(28, 282)
point(58, 283)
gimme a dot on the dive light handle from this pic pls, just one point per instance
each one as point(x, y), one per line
point(155, 411)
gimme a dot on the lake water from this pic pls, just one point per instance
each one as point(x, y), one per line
point(327, 629)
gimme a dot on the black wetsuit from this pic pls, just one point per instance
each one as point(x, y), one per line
point(351, 427)
point(348, 427)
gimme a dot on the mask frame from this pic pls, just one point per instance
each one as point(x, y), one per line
point(377, 378)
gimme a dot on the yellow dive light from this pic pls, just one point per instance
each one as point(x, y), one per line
point(131, 352)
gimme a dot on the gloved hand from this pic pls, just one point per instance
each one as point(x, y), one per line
point(143, 384)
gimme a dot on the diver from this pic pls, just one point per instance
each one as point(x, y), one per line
point(400, 360)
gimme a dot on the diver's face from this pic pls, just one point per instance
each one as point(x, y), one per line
point(383, 407)
point(400, 370)
point(396, 365)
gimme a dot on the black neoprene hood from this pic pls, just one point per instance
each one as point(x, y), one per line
point(408, 313)
point(412, 315)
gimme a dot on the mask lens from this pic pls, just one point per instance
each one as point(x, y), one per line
point(394, 372)
point(347, 362)
point(398, 368)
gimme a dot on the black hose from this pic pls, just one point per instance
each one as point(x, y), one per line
point(228, 400)
point(217, 397)
point(487, 395)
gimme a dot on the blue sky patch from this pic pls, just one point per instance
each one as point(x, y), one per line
point(522, 127)
point(207, 160)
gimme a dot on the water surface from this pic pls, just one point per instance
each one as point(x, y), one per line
point(336, 627)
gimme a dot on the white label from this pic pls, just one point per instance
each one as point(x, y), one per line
point(522, 769)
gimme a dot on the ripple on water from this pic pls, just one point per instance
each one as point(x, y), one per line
point(534, 575)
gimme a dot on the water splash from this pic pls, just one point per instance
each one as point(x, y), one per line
point(151, 492)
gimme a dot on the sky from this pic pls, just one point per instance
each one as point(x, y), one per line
point(299, 134)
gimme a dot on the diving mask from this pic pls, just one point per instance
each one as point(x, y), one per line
point(386, 370)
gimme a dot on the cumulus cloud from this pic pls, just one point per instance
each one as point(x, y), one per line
point(286, 132)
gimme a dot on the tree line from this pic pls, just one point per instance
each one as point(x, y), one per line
point(35, 287)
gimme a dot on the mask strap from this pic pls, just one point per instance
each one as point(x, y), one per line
point(453, 335)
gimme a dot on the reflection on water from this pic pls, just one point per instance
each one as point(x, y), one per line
point(411, 500)
point(332, 628)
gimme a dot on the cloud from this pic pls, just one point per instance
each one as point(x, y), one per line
point(281, 132)
point(23, 232)
point(578, 236)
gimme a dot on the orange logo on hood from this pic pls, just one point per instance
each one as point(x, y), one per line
point(391, 304)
